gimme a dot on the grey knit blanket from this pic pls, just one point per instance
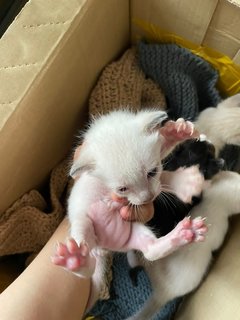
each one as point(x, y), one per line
point(188, 81)
point(126, 298)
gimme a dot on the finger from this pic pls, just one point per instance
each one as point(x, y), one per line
point(126, 213)
point(147, 212)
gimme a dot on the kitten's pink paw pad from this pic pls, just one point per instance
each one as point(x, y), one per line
point(70, 255)
point(188, 231)
point(186, 235)
point(182, 233)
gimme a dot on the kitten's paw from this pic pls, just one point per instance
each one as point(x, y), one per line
point(182, 233)
point(189, 230)
point(180, 130)
point(188, 182)
point(75, 258)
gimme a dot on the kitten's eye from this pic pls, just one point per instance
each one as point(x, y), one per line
point(122, 189)
point(152, 172)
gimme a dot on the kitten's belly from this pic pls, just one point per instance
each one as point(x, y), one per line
point(111, 230)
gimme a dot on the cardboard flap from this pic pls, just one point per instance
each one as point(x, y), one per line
point(50, 58)
point(214, 24)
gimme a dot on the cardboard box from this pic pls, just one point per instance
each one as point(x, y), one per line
point(50, 59)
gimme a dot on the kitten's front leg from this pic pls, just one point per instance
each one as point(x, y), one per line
point(76, 254)
point(175, 132)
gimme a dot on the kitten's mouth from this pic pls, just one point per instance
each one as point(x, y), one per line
point(119, 199)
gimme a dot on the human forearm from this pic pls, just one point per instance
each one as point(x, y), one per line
point(45, 291)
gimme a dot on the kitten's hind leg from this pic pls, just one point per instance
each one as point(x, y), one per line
point(135, 264)
point(154, 248)
point(186, 231)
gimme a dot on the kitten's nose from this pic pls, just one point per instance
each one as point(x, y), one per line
point(145, 196)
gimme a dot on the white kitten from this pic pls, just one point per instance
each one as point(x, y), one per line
point(183, 271)
point(221, 124)
point(121, 155)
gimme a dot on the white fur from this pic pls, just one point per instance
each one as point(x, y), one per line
point(221, 125)
point(119, 149)
point(182, 271)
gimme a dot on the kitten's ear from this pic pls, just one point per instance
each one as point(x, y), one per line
point(152, 121)
point(82, 162)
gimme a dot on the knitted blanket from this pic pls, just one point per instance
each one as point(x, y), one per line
point(125, 298)
point(188, 81)
point(30, 222)
point(124, 85)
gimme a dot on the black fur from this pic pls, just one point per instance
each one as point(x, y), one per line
point(193, 152)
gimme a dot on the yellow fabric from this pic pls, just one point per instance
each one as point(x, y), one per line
point(229, 73)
